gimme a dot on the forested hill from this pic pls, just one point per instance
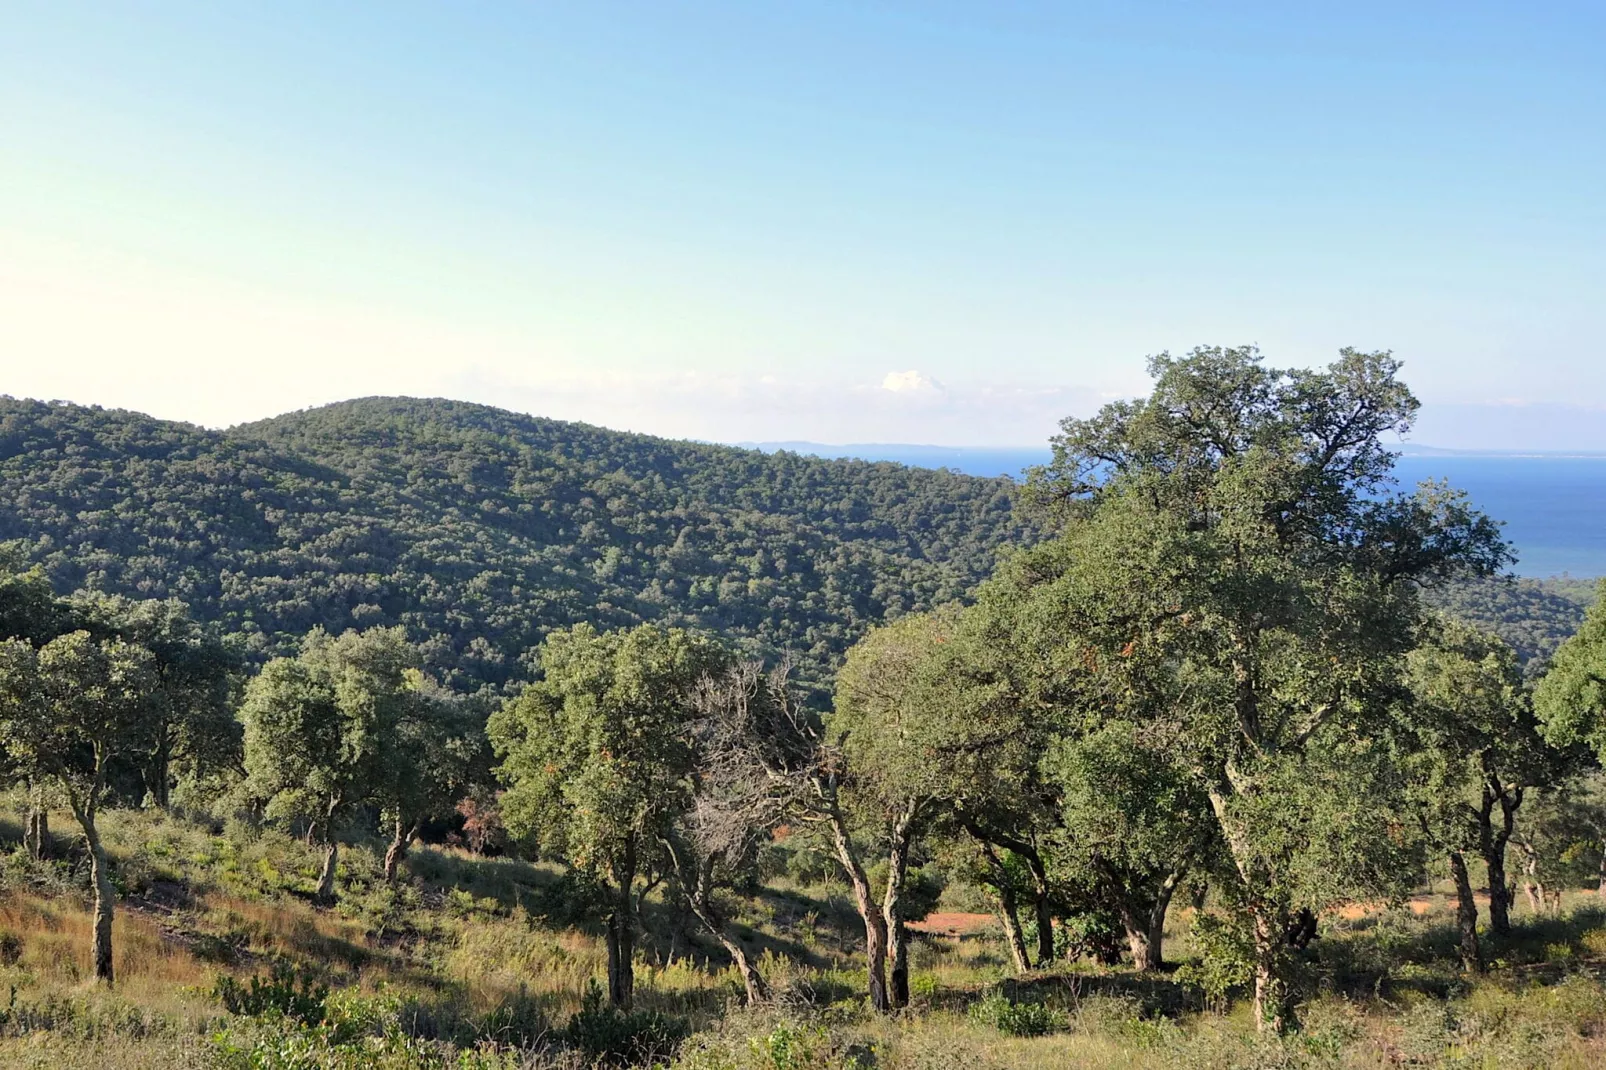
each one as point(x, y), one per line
point(479, 528)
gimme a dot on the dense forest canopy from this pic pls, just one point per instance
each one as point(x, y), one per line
point(1533, 616)
point(479, 529)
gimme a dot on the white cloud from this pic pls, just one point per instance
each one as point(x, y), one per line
point(909, 382)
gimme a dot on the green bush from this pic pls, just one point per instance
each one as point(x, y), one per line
point(613, 1037)
point(1226, 960)
point(1017, 1019)
point(285, 992)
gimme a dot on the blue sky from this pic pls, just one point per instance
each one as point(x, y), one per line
point(931, 222)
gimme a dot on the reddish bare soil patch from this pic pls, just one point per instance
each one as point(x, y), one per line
point(953, 923)
point(1419, 904)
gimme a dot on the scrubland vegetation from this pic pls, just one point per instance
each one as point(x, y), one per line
point(1215, 769)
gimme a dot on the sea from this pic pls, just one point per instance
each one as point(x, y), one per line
point(1553, 506)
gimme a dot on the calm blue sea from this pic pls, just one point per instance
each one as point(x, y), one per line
point(1554, 508)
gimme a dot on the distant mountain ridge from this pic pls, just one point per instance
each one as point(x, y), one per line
point(480, 528)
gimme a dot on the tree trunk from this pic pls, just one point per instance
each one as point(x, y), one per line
point(1139, 941)
point(621, 956)
point(892, 905)
point(36, 833)
point(875, 929)
point(1145, 928)
point(1273, 999)
point(313, 828)
point(758, 991)
point(1008, 909)
point(399, 840)
point(696, 877)
point(1466, 915)
point(1492, 845)
point(622, 932)
point(1044, 908)
point(100, 947)
point(1600, 885)
point(155, 773)
point(325, 895)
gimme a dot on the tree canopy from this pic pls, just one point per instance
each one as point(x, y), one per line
point(479, 530)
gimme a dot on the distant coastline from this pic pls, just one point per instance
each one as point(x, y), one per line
point(1553, 502)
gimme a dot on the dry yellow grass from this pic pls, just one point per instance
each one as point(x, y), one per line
point(56, 935)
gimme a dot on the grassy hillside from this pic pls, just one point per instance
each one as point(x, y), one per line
point(481, 964)
point(479, 529)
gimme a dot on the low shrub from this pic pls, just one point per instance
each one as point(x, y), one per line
point(1017, 1019)
point(285, 992)
point(613, 1037)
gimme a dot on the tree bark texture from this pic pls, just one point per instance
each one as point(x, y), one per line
point(875, 928)
point(1492, 841)
point(1145, 928)
point(1466, 914)
point(401, 836)
point(100, 947)
point(1273, 999)
point(36, 833)
point(325, 894)
point(622, 933)
point(891, 906)
point(1008, 908)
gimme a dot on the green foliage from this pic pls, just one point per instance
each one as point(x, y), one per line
point(613, 1037)
point(1241, 581)
point(285, 991)
point(596, 754)
point(318, 726)
point(787, 1047)
point(73, 706)
point(1571, 699)
point(1533, 616)
point(479, 530)
point(1016, 1019)
point(1226, 958)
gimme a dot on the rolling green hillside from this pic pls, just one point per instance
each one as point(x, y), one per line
point(480, 528)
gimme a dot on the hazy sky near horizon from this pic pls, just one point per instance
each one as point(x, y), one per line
point(927, 221)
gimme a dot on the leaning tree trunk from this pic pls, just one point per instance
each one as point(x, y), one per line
point(875, 928)
point(100, 947)
point(400, 838)
point(892, 905)
point(1466, 914)
point(1008, 908)
point(696, 877)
